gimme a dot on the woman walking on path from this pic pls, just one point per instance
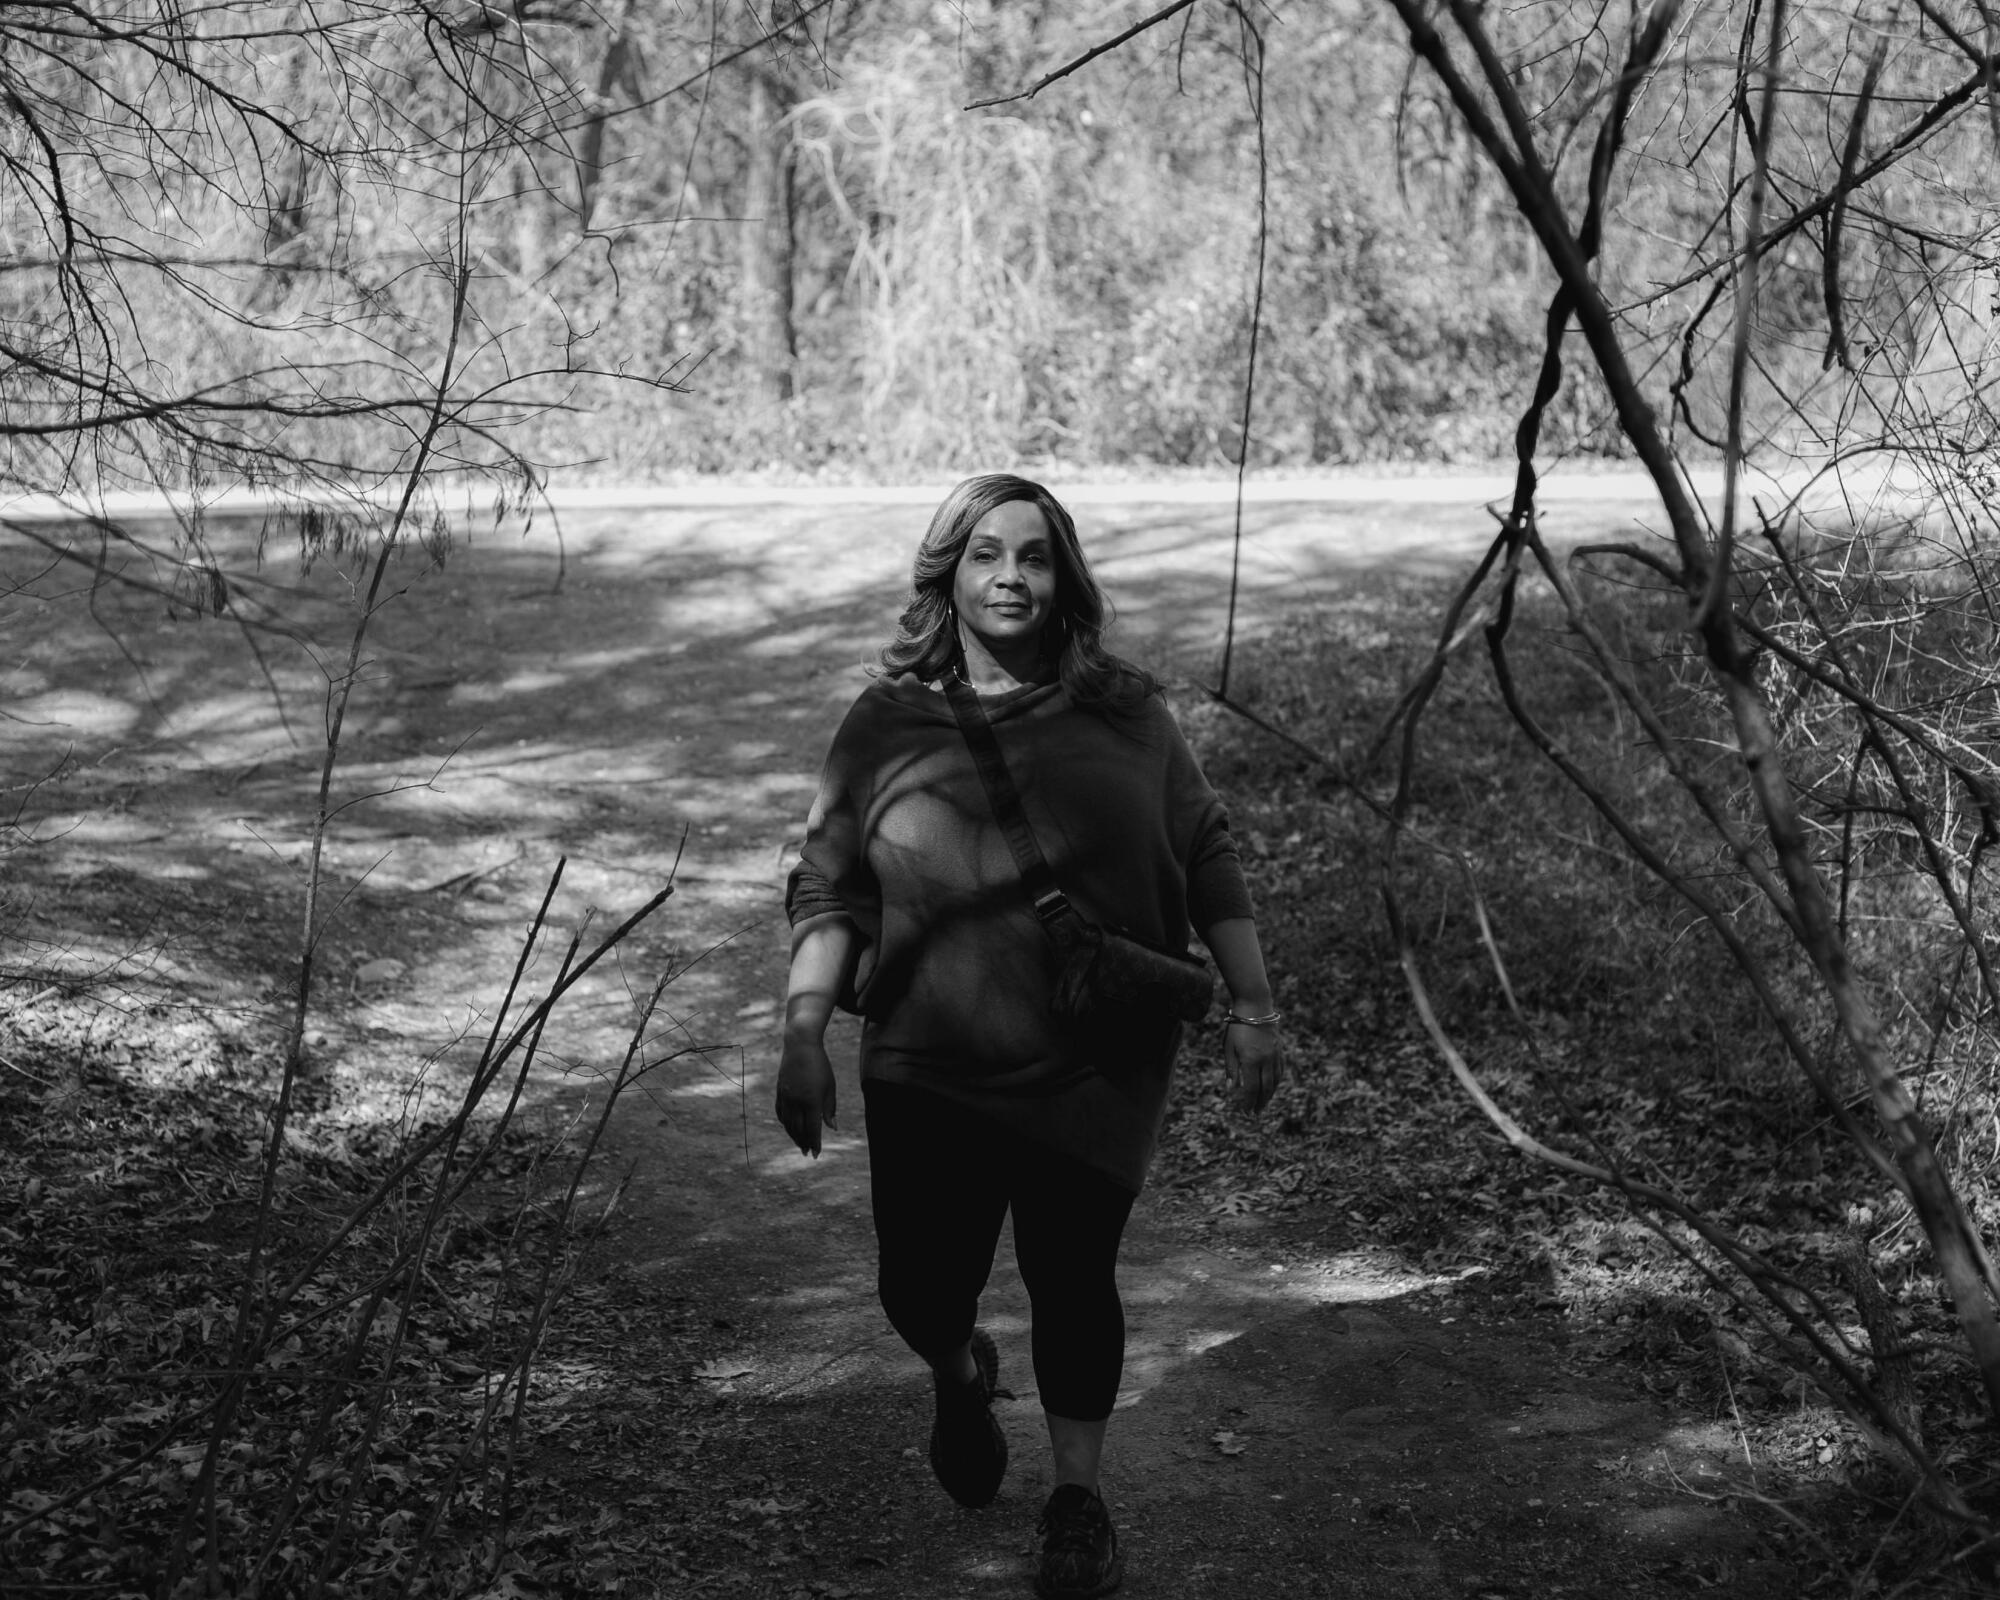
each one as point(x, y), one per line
point(1001, 747)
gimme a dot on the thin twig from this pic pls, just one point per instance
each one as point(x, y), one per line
point(1085, 59)
point(1253, 72)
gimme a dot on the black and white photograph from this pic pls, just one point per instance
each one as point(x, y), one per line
point(952, 799)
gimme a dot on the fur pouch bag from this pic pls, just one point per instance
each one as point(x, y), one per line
point(1104, 973)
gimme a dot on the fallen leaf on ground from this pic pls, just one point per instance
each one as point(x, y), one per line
point(764, 1508)
point(511, 1586)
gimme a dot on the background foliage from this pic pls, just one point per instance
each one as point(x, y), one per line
point(360, 245)
point(1068, 279)
point(1065, 279)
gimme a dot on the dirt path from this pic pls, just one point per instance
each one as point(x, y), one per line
point(1297, 1419)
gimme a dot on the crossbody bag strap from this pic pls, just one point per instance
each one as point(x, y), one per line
point(1044, 893)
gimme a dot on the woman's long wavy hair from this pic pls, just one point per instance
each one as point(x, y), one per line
point(927, 642)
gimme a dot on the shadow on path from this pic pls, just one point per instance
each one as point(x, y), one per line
point(1293, 1424)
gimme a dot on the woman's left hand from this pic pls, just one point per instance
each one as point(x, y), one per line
point(1255, 1058)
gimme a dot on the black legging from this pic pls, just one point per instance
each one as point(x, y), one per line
point(943, 1180)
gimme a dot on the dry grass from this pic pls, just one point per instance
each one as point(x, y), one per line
point(1639, 1043)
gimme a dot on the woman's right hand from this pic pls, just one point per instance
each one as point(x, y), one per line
point(805, 1091)
point(824, 952)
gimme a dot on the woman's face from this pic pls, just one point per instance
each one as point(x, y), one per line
point(1005, 586)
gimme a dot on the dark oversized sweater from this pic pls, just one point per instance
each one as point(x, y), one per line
point(956, 983)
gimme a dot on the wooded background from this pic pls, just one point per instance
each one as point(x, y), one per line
point(794, 223)
point(353, 255)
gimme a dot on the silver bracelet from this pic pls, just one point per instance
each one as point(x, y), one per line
point(1269, 1020)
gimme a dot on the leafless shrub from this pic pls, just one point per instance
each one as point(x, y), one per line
point(1818, 715)
point(358, 1423)
point(1823, 707)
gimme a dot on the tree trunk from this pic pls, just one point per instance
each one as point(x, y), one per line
point(619, 66)
point(768, 340)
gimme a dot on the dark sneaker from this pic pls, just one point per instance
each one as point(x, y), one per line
point(968, 1450)
point(1079, 1546)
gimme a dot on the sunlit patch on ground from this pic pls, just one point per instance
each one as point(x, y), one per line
point(1298, 1311)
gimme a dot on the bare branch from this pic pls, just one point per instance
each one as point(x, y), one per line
point(1836, 318)
point(1086, 58)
